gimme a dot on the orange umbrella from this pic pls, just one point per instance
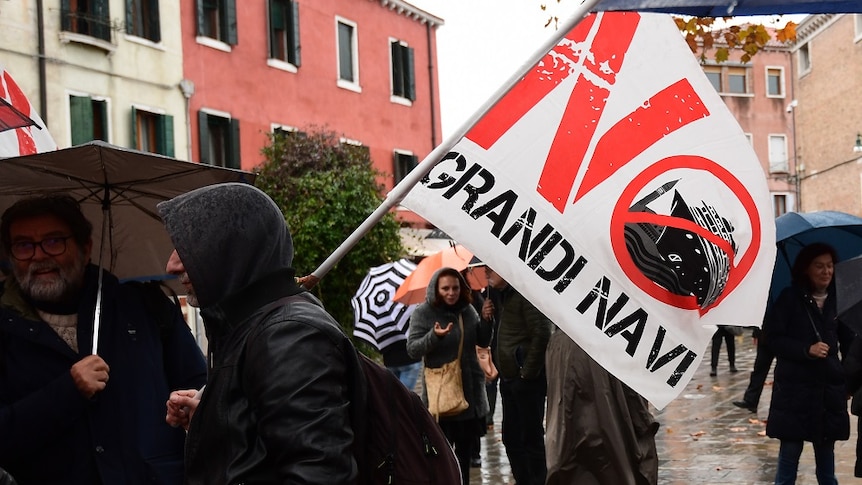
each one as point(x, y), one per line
point(412, 291)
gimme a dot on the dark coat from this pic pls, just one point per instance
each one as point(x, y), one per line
point(436, 351)
point(809, 396)
point(522, 337)
point(51, 434)
point(276, 408)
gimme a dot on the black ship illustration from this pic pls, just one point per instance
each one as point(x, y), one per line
point(679, 260)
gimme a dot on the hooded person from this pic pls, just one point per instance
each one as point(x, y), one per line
point(276, 407)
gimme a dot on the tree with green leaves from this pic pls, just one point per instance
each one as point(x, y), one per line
point(326, 189)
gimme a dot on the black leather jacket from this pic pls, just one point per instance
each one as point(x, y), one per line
point(276, 408)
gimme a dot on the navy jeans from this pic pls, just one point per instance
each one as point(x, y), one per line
point(523, 430)
point(407, 374)
point(788, 462)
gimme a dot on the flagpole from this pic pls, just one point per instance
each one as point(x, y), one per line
point(398, 192)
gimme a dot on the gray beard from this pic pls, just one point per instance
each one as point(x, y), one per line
point(68, 282)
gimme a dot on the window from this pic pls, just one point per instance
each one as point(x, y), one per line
point(87, 17)
point(736, 82)
point(779, 204)
point(284, 31)
point(217, 20)
point(775, 82)
point(89, 119)
point(219, 140)
point(778, 154)
point(142, 19)
point(404, 163)
point(348, 68)
point(403, 80)
point(713, 73)
point(857, 18)
point(804, 58)
point(153, 132)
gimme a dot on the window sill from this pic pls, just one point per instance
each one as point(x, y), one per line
point(281, 65)
point(145, 42)
point(738, 95)
point(352, 86)
point(74, 37)
point(399, 100)
point(214, 43)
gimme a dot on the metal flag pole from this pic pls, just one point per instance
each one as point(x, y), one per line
point(402, 188)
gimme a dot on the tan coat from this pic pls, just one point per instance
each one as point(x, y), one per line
point(599, 431)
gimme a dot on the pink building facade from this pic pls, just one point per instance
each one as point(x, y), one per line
point(759, 94)
point(364, 69)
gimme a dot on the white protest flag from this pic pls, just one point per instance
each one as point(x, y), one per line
point(22, 131)
point(612, 187)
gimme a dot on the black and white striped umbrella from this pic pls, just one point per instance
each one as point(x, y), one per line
point(378, 319)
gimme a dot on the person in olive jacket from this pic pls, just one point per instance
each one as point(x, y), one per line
point(809, 393)
point(522, 341)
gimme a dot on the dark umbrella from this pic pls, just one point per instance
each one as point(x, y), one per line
point(848, 292)
point(118, 189)
point(795, 230)
point(378, 319)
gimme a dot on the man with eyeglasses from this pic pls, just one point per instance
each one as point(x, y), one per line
point(67, 417)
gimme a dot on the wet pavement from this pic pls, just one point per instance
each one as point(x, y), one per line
point(704, 438)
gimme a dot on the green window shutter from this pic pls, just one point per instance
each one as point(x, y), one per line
point(276, 15)
point(409, 77)
point(81, 117)
point(204, 138)
point(155, 33)
point(345, 52)
point(102, 23)
point(102, 113)
point(166, 135)
point(130, 18)
point(230, 16)
point(135, 143)
point(276, 22)
point(293, 40)
point(397, 74)
point(233, 149)
point(65, 16)
point(199, 7)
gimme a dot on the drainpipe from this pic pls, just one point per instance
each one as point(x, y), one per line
point(431, 87)
point(43, 82)
point(188, 89)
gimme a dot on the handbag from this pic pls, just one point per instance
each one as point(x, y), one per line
point(443, 385)
point(486, 363)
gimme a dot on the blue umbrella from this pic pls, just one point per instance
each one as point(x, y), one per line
point(795, 230)
point(724, 8)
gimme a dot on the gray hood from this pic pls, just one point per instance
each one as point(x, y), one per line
point(431, 289)
point(227, 236)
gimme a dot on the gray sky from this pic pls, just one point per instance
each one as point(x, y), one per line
point(484, 42)
point(481, 45)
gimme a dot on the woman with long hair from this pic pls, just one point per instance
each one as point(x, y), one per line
point(435, 335)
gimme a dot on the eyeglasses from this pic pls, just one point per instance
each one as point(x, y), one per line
point(52, 246)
